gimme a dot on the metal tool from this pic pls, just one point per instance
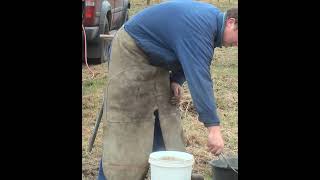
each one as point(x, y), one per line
point(95, 130)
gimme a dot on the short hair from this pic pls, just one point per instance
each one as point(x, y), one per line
point(233, 13)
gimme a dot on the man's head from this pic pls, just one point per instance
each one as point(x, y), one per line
point(230, 35)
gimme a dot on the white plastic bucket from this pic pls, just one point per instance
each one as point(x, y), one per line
point(171, 165)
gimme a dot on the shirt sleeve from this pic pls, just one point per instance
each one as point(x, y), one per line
point(195, 56)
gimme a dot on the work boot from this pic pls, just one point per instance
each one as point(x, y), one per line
point(197, 177)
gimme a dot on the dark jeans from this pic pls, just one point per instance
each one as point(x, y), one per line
point(158, 144)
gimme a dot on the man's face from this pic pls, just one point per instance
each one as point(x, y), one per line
point(230, 36)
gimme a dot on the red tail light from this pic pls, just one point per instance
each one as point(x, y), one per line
point(90, 12)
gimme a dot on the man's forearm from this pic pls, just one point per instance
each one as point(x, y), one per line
point(213, 129)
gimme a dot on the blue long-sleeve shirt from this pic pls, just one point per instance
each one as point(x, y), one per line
point(181, 36)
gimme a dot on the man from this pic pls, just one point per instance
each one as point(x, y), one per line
point(177, 37)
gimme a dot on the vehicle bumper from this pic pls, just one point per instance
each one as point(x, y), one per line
point(92, 33)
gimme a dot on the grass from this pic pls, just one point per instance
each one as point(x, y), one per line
point(224, 71)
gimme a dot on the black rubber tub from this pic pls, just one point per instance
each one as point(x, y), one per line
point(221, 170)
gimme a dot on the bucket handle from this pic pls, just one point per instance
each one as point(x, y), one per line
point(227, 162)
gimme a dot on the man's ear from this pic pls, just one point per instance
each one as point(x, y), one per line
point(231, 21)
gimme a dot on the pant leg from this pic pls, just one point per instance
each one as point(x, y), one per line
point(169, 115)
point(100, 172)
point(130, 102)
point(158, 144)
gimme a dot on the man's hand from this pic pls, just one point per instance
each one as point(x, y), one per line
point(215, 140)
point(177, 92)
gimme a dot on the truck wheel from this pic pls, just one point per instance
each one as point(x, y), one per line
point(127, 16)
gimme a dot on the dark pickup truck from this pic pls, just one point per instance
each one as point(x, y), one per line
point(102, 17)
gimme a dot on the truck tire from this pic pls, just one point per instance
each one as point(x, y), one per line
point(127, 16)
